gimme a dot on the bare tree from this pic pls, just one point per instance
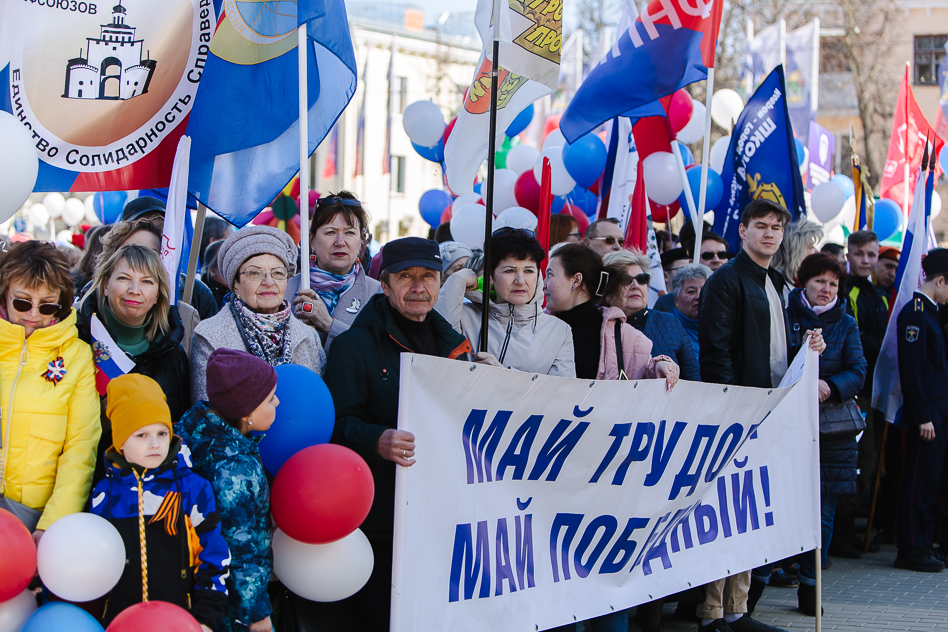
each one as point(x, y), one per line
point(595, 18)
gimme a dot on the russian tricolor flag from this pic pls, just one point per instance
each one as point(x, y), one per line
point(110, 360)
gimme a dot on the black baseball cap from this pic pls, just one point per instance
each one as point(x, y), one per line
point(141, 205)
point(409, 252)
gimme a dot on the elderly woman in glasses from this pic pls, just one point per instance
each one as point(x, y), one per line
point(520, 335)
point(666, 333)
point(50, 421)
point(339, 287)
point(257, 262)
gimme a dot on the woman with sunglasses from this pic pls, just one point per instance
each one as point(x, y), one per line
point(520, 335)
point(339, 285)
point(49, 425)
point(664, 330)
point(257, 262)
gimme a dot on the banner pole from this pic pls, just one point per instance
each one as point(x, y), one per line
point(491, 148)
point(819, 588)
point(301, 48)
point(705, 157)
point(195, 248)
point(689, 196)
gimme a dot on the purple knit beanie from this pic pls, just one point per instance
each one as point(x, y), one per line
point(238, 382)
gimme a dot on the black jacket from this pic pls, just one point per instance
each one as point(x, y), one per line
point(843, 367)
point(362, 375)
point(668, 338)
point(868, 306)
point(734, 324)
point(923, 364)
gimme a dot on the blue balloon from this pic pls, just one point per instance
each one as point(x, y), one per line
point(434, 154)
point(432, 204)
point(714, 189)
point(108, 205)
point(800, 152)
point(583, 199)
point(521, 122)
point(477, 187)
point(57, 616)
point(585, 159)
point(888, 219)
point(845, 183)
point(557, 204)
point(305, 416)
point(686, 156)
point(943, 158)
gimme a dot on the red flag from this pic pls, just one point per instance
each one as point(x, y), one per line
point(636, 231)
point(910, 131)
point(544, 214)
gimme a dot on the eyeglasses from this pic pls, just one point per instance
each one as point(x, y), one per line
point(642, 279)
point(708, 256)
point(46, 309)
point(335, 199)
point(257, 274)
point(611, 241)
point(508, 230)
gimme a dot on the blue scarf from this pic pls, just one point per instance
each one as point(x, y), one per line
point(329, 286)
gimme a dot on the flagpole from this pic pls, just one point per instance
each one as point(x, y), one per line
point(195, 247)
point(491, 148)
point(689, 196)
point(705, 158)
point(301, 49)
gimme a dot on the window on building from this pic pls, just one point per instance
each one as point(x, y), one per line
point(402, 93)
point(929, 51)
point(398, 174)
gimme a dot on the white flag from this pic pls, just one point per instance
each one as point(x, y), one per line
point(529, 68)
point(172, 241)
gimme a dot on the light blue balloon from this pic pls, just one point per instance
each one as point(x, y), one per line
point(943, 158)
point(845, 183)
point(888, 219)
point(57, 616)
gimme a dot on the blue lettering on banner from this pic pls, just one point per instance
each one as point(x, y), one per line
point(470, 561)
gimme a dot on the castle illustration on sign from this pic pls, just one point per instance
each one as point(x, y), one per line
point(113, 68)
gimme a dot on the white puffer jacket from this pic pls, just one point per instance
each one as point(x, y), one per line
point(521, 337)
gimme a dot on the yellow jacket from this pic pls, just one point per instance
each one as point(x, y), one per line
point(49, 449)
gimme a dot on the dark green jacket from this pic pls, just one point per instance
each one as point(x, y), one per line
point(362, 375)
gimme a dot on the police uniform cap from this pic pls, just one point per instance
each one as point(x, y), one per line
point(935, 262)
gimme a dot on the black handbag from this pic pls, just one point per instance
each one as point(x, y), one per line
point(841, 421)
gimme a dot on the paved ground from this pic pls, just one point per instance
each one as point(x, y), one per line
point(858, 595)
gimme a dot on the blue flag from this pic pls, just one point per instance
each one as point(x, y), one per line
point(762, 160)
point(245, 121)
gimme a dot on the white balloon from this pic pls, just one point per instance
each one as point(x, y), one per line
point(936, 204)
point(81, 557)
point(323, 572)
point(554, 139)
point(464, 200)
point(89, 204)
point(38, 215)
point(719, 153)
point(19, 165)
point(467, 225)
point(64, 237)
point(504, 182)
point(15, 612)
point(835, 235)
point(709, 217)
point(561, 182)
point(847, 215)
point(693, 131)
point(54, 203)
point(662, 180)
point(827, 201)
point(521, 158)
point(424, 123)
point(517, 217)
point(726, 107)
point(73, 212)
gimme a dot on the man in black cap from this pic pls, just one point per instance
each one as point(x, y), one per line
point(923, 376)
point(363, 374)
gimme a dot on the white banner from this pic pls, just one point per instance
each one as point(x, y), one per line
point(174, 235)
point(537, 501)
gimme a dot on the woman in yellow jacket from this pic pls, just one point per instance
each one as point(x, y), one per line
point(49, 407)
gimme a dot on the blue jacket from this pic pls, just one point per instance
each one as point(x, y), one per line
point(187, 558)
point(843, 367)
point(231, 462)
point(668, 338)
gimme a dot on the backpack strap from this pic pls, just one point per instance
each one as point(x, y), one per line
point(620, 357)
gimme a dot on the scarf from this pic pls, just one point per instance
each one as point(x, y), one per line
point(819, 309)
point(329, 286)
point(266, 336)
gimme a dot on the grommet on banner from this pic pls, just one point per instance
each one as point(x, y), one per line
point(725, 389)
point(591, 384)
point(473, 366)
point(535, 377)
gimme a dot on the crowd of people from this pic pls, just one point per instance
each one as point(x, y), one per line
point(166, 452)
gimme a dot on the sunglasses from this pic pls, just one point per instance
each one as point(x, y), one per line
point(611, 241)
point(507, 230)
point(708, 256)
point(46, 309)
point(642, 279)
point(333, 199)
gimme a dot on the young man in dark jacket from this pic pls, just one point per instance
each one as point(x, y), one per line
point(744, 340)
point(363, 374)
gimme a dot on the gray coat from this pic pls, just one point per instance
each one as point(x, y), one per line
point(221, 332)
point(350, 303)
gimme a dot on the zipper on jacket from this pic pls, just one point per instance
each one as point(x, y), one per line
point(503, 349)
point(141, 533)
point(24, 358)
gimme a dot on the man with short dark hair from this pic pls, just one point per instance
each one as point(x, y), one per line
point(714, 251)
point(605, 236)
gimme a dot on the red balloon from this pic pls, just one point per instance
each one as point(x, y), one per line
point(18, 560)
point(527, 191)
point(446, 213)
point(154, 616)
point(581, 217)
point(662, 213)
point(322, 494)
point(447, 130)
point(679, 110)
